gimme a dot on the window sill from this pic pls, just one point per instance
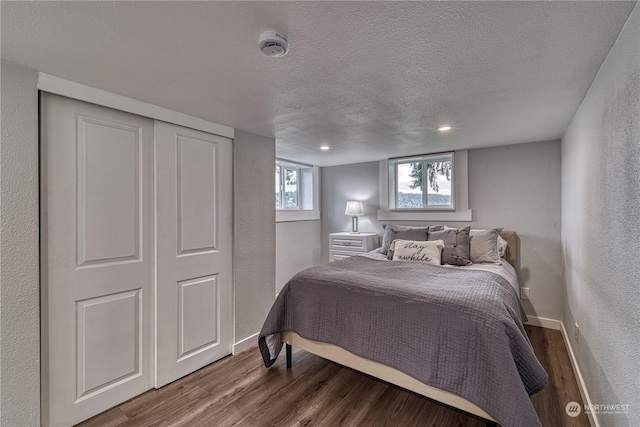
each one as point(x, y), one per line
point(425, 216)
point(302, 215)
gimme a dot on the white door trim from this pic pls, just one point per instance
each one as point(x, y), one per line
point(59, 86)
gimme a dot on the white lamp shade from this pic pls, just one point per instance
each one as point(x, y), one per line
point(354, 208)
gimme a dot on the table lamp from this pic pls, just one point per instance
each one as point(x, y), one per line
point(354, 209)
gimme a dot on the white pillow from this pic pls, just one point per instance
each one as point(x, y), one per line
point(502, 246)
point(411, 250)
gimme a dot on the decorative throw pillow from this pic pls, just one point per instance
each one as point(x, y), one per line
point(484, 246)
point(502, 244)
point(416, 234)
point(422, 251)
point(456, 245)
point(391, 230)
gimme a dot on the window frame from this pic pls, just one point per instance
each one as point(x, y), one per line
point(424, 159)
point(462, 213)
point(284, 167)
point(298, 213)
point(278, 181)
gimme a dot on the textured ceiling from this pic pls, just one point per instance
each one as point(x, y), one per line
point(370, 79)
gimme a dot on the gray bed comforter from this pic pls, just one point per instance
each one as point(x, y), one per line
point(455, 329)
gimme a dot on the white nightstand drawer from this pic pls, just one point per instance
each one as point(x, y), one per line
point(343, 245)
point(351, 244)
point(333, 256)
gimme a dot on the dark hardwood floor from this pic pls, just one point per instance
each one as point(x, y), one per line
point(239, 391)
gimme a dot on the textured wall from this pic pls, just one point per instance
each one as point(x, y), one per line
point(254, 234)
point(19, 251)
point(516, 187)
point(600, 229)
point(297, 248)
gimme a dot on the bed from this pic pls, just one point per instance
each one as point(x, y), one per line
point(454, 335)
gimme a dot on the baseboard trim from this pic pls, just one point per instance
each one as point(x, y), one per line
point(543, 322)
point(245, 343)
point(593, 419)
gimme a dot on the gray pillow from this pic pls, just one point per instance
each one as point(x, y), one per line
point(456, 245)
point(390, 231)
point(484, 246)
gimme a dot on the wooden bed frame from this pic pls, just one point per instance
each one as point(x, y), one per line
point(389, 374)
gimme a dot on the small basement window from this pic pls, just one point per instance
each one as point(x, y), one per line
point(430, 187)
point(422, 183)
point(294, 186)
point(296, 191)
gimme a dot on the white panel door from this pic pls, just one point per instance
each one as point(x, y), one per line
point(193, 178)
point(96, 200)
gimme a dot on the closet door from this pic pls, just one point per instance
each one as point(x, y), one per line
point(193, 179)
point(97, 263)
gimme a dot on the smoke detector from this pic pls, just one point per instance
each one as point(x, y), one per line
point(273, 44)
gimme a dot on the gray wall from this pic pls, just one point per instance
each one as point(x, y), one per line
point(516, 187)
point(357, 181)
point(297, 248)
point(254, 235)
point(600, 229)
point(19, 250)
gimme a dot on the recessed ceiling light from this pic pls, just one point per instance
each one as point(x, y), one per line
point(445, 128)
point(324, 147)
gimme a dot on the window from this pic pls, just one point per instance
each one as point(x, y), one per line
point(422, 183)
point(400, 202)
point(294, 186)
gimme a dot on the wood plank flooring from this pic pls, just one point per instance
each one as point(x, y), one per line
point(239, 391)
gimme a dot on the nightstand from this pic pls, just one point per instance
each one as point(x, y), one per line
point(345, 244)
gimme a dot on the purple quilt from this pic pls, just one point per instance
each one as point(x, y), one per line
point(459, 330)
